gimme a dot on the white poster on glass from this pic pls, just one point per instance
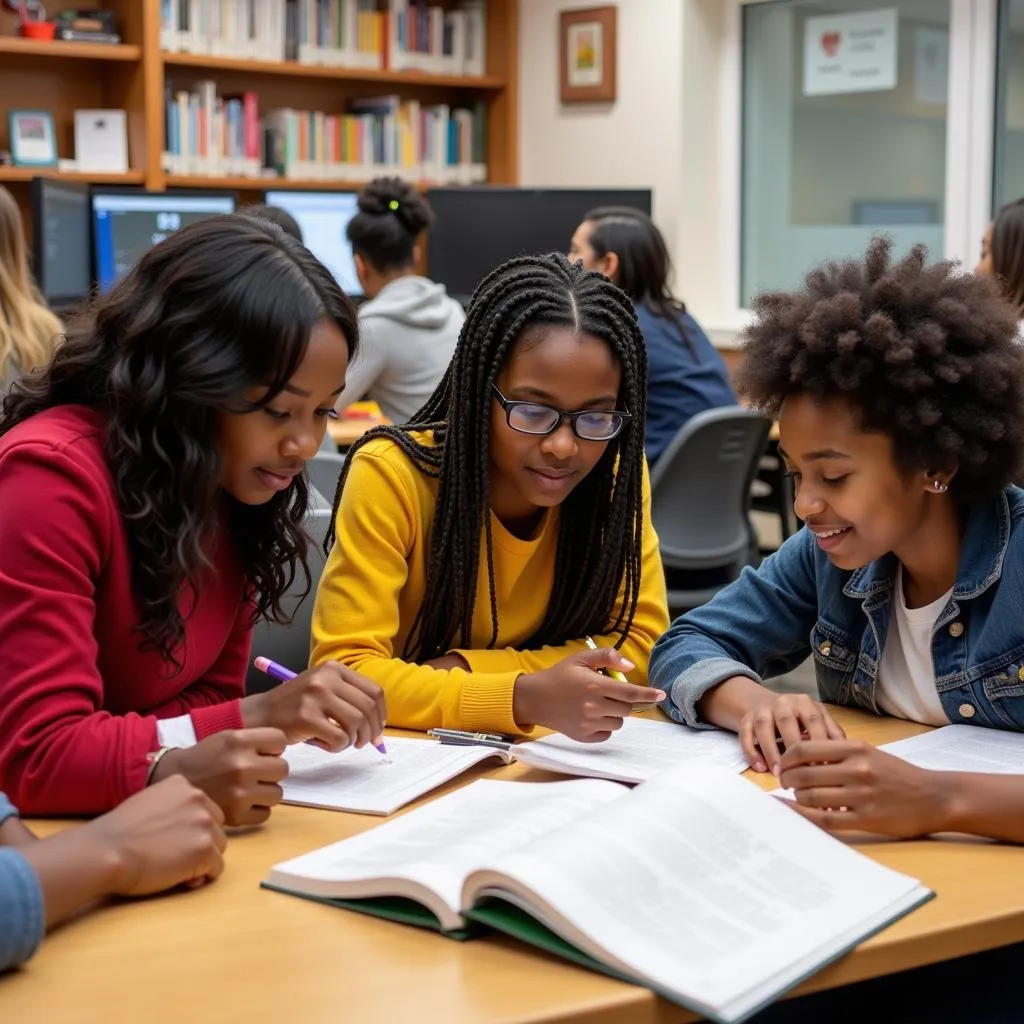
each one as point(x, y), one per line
point(850, 52)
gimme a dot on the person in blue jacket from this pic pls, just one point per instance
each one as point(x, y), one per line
point(685, 373)
point(169, 834)
point(899, 390)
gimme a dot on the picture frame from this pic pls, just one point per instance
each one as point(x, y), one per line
point(587, 48)
point(33, 139)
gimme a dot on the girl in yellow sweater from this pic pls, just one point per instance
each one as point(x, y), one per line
point(479, 546)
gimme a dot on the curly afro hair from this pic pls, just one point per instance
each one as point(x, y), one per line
point(924, 353)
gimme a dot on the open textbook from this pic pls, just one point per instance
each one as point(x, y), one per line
point(364, 782)
point(696, 884)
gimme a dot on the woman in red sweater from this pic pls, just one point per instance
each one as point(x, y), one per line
point(151, 507)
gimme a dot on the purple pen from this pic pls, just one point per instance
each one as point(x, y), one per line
point(275, 671)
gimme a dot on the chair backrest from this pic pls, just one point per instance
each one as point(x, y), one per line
point(323, 472)
point(289, 645)
point(700, 488)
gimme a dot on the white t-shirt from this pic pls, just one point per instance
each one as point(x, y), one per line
point(906, 676)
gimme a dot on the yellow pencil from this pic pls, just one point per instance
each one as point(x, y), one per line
point(589, 640)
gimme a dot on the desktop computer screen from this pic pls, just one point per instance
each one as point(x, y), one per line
point(62, 252)
point(127, 223)
point(478, 229)
point(323, 218)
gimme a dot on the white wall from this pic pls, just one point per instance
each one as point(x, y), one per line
point(662, 132)
point(632, 143)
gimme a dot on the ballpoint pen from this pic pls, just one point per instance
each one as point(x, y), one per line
point(589, 641)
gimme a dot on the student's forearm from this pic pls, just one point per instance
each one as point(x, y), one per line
point(983, 805)
point(73, 870)
point(725, 704)
point(14, 833)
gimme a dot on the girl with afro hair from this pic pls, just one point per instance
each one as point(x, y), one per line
point(899, 392)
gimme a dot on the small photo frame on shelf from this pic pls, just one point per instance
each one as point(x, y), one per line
point(33, 141)
point(587, 46)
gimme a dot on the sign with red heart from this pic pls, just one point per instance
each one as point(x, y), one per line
point(850, 52)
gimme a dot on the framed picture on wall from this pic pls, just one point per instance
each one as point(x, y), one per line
point(33, 142)
point(587, 47)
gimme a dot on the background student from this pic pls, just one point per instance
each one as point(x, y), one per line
point(409, 325)
point(685, 373)
point(1002, 255)
point(282, 218)
point(29, 332)
point(168, 835)
point(477, 548)
point(151, 505)
point(899, 390)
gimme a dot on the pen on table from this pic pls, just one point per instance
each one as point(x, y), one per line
point(589, 641)
point(463, 734)
point(457, 738)
point(279, 672)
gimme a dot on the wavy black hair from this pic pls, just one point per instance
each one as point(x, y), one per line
point(601, 527)
point(645, 267)
point(922, 352)
point(221, 306)
point(392, 215)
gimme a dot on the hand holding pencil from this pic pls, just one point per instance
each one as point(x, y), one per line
point(330, 706)
point(579, 696)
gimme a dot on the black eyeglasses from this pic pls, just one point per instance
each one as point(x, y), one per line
point(588, 424)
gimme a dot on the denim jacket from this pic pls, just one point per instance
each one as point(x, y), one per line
point(22, 914)
point(798, 602)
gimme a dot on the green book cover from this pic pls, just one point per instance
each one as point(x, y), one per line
point(391, 908)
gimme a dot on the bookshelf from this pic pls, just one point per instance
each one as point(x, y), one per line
point(63, 76)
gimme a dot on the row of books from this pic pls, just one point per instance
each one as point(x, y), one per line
point(401, 35)
point(211, 135)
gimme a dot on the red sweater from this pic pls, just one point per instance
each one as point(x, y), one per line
point(79, 700)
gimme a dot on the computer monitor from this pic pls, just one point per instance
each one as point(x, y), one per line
point(479, 228)
point(128, 222)
point(323, 218)
point(62, 250)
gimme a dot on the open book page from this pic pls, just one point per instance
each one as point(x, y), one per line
point(705, 887)
point(437, 845)
point(640, 750)
point(956, 748)
point(366, 782)
point(963, 748)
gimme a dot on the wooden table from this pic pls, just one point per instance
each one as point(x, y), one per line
point(234, 952)
point(354, 422)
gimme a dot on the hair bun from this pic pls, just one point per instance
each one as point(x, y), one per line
point(393, 197)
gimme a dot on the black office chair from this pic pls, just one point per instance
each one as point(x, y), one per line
point(700, 502)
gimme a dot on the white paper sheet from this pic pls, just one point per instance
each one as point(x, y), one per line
point(366, 782)
point(640, 750)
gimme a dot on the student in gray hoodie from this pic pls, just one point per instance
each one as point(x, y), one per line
point(409, 325)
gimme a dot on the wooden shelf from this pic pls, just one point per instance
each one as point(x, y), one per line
point(96, 178)
point(261, 184)
point(59, 49)
point(293, 69)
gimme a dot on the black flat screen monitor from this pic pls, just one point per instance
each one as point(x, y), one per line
point(128, 222)
point(479, 228)
point(61, 242)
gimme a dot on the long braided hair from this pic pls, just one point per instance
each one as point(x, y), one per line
point(600, 532)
